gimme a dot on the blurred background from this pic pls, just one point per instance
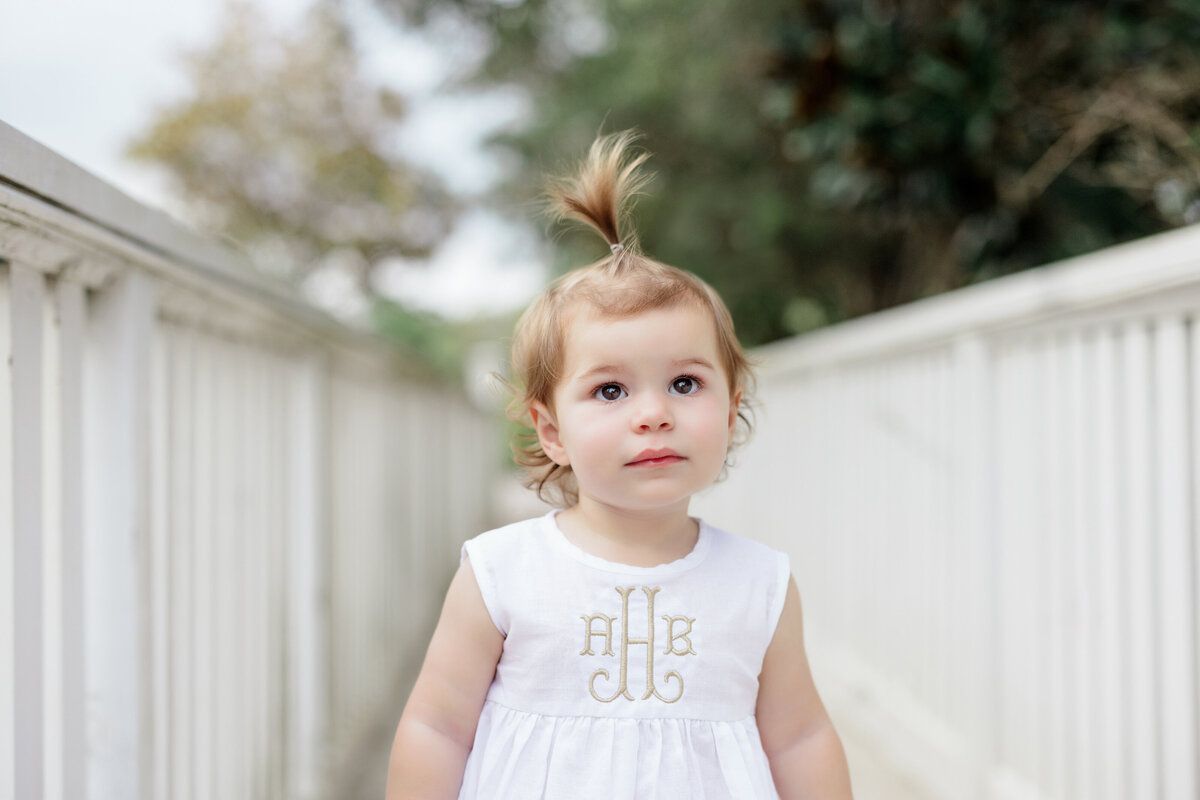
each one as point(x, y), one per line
point(815, 161)
point(984, 467)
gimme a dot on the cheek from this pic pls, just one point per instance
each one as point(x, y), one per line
point(712, 423)
point(585, 433)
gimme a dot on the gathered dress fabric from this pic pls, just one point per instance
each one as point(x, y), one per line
point(620, 682)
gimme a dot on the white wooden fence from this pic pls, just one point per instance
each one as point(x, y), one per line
point(225, 521)
point(990, 500)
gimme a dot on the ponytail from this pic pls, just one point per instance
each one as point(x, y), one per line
point(601, 194)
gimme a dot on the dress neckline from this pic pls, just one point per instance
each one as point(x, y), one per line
point(559, 541)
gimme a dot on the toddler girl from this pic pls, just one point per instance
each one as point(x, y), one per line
point(617, 648)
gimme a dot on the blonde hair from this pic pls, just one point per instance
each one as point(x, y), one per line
point(623, 284)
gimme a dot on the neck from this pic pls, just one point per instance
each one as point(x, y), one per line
point(634, 538)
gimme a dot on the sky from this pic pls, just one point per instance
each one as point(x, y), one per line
point(83, 78)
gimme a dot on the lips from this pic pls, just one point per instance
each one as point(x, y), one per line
point(655, 458)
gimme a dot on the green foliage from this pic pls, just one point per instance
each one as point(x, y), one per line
point(442, 345)
point(284, 146)
point(820, 159)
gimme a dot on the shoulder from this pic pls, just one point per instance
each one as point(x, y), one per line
point(498, 558)
point(512, 536)
point(763, 572)
point(744, 552)
point(501, 550)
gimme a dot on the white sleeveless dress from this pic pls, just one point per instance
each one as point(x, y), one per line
point(619, 682)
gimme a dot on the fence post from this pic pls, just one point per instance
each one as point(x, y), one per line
point(117, 385)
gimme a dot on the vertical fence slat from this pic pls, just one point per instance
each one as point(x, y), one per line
point(119, 332)
point(1078, 571)
point(158, 555)
point(7, 528)
point(1110, 726)
point(981, 623)
point(71, 300)
point(204, 571)
point(273, 733)
point(240, 544)
point(339, 558)
point(1193, 412)
point(1016, 714)
point(256, 430)
point(1041, 564)
point(941, 538)
point(222, 536)
point(181, 579)
point(1177, 610)
point(8, 682)
point(52, 547)
point(1056, 568)
point(306, 513)
point(28, 288)
point(1018, 639)
point(1141, 574)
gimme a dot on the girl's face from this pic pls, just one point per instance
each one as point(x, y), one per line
point(642, 412)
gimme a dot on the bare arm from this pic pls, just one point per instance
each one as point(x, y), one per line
point(805, 753)
point(437, 728)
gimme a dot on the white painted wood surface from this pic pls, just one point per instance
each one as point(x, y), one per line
point(8, 683)
point(27, 436)
point(70, 753)
point(117, 630)
point(224, 515)
point(990, 500)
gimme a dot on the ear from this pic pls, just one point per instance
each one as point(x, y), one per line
point(547, 432)
point(734, 404)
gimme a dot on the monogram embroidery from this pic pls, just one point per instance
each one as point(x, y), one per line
point(589, 633)
point(678, 644)
point(672, 636)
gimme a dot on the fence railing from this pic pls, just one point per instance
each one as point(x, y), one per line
point(990, 499)
point(225, 520)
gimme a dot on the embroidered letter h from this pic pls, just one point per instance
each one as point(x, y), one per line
point(605, 632)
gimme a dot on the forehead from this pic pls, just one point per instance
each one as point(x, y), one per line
point(675, 333)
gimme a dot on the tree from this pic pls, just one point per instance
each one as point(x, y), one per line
point(286, 147)
point(821, 159)
point(970, 139)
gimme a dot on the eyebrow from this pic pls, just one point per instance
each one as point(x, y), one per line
point(613, 368)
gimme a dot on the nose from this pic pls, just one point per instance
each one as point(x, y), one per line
point(652, 413)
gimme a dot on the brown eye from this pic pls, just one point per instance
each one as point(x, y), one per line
point(609, 392)
point(684, 384)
